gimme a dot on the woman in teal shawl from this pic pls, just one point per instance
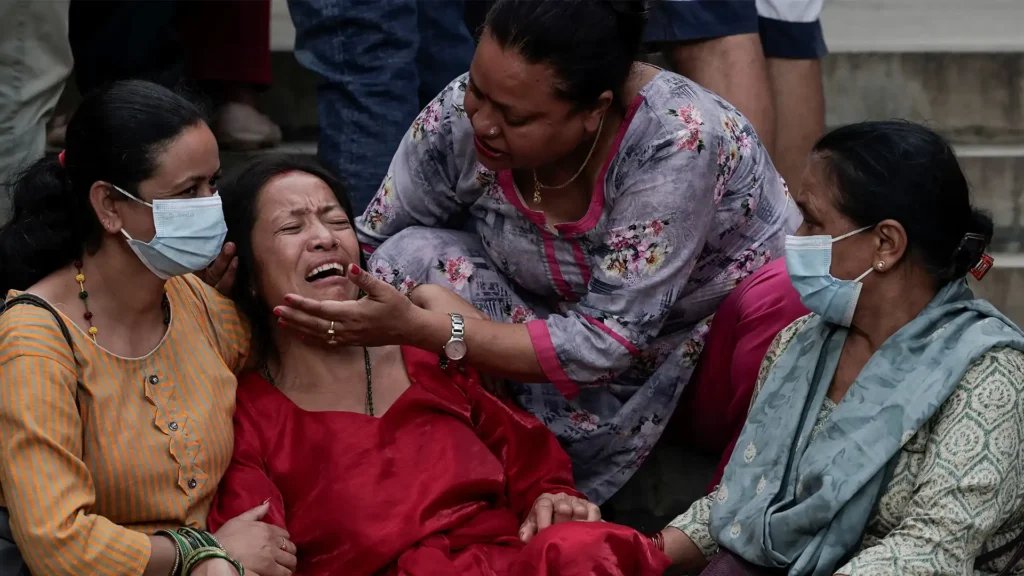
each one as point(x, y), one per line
point(887, 432)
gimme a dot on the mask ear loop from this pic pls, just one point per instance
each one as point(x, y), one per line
point(853, 233)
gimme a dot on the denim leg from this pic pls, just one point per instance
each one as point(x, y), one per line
point(446, 45)
point(365, 54)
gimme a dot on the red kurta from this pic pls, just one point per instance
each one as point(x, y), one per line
point(438, 485)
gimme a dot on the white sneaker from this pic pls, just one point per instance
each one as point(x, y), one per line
point(239, 126)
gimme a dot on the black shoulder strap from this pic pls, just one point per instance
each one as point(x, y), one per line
point(1017, 544)
point(33, 300)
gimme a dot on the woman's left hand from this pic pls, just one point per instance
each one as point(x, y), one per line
point(379, 319)
point(550, 509)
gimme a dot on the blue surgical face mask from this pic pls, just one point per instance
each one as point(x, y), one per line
point(189, 235)
point(809, 262)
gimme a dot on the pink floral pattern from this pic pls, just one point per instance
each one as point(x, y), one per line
point(521, 315)
point(456, 270)
point(737, 143)
point(428, 121)
point(584, 420)
point(488, 181)
point(382, 207)
point(689, 137)
point(384, 271)
point(747, 262)
point(636, 251)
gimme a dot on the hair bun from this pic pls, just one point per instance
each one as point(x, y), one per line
point(973, 244)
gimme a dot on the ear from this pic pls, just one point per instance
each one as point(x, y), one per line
point(891, 245)
point(593, 116)
point(101, 196)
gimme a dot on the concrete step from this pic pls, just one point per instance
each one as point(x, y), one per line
point(970, 98)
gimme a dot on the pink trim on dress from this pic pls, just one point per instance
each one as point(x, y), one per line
point(581, 261)
point(548, 359)
point(556, 271)
point(593, 215)
point(367, 248)
point(508, 186)
point(633, 350)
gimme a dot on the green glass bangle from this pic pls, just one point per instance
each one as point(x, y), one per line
point(200, 538)
point(181, 547)
point(208, 553)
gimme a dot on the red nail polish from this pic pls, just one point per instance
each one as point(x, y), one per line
point(265, 501)
point(277, 312)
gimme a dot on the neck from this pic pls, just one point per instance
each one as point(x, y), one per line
point(559, 172)
point(893, 306)
point(303, 365)
point(110, 296)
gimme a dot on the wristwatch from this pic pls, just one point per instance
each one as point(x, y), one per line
point(455, 349)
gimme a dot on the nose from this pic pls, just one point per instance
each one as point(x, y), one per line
point(485, 123)
point(322, 240)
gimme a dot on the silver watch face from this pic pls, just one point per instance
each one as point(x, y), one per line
point(455, 350)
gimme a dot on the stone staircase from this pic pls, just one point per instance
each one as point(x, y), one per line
point(957, 66)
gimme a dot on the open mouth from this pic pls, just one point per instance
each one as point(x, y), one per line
point(486, 150)
point(324, 271)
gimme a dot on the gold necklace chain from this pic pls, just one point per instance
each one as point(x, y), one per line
point(538, 186)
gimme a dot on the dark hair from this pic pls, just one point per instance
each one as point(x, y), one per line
point(907, 172)
point(116, 135)
point(590, 44)
point(240, 190)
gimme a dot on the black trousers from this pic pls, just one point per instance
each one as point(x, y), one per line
point(115, 40)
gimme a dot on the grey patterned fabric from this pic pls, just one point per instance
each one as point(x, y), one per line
point(788, 499)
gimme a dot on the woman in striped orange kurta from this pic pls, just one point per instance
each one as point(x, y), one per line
point(112, 442)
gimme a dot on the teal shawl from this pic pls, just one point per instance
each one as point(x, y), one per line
point(788, 501)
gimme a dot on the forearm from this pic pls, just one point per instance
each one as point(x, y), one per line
point(685, 555)
point(161, 556)
point(493, 348)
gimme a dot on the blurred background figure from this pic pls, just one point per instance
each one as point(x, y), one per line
point(35, 60)
point(379, 62)
point(762, 56)
point(221, 47)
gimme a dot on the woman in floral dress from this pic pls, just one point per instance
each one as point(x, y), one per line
point(597, 209)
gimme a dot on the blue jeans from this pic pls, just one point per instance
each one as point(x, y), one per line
point(380, 62)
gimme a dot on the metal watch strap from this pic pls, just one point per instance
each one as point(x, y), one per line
point(458, 333)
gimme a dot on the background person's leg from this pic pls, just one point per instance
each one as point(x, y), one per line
point(715, 43)
point(365, 54)
point(227, 43)
point(446, 45)
point(125, 39)
point(794, 46)
point(35, 60)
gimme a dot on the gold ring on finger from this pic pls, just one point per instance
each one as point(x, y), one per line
point(330, 332)
point(284, 544)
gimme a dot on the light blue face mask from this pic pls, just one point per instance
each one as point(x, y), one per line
point(189, 235)
point(809, 262)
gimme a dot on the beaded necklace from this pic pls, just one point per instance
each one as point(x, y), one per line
point(83, 295)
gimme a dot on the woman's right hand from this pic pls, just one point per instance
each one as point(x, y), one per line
point(263, 549)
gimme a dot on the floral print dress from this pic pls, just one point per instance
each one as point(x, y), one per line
point(617, 303)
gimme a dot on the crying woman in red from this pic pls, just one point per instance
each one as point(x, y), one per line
point(379, 460)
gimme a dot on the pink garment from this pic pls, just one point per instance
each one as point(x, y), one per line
point(715, 404)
